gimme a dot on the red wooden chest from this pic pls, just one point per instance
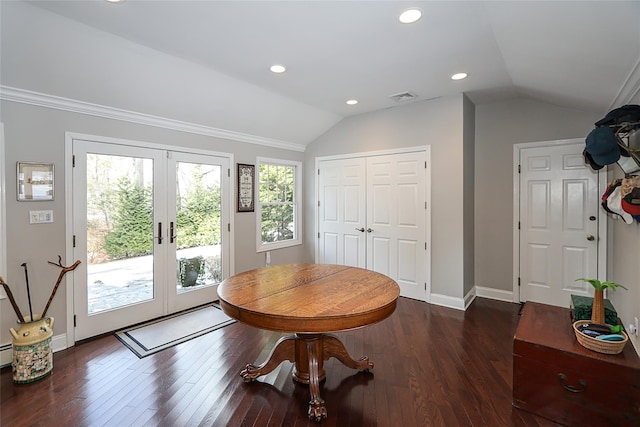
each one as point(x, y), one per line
point(558, 379)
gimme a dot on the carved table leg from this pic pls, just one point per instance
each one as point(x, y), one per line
point(283, 350)
point(317, 410)
point(308, 352)
point(333, 347)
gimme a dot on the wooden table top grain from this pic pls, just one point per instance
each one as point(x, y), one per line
point(309, 298)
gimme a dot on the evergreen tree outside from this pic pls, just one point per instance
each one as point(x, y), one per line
point(277, 202)
point(198, 215)
point(132, 233)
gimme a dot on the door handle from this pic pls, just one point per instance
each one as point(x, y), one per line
point(591, 238)
point(360, 229)
point(159, 233)
point(172, 236)
point(369, 230)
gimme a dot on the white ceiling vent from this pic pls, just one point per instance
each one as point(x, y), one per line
point(403, 96)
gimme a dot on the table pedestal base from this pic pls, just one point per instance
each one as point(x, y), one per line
point(308, 352)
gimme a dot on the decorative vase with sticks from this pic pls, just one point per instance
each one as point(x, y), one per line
point(31, 345)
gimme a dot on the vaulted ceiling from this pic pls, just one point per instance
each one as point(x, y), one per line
point(578, 54)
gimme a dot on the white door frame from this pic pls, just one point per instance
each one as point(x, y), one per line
point(427, 231)
point(69, 137)
point(602, 218)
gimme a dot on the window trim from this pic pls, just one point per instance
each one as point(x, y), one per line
point(297, 202)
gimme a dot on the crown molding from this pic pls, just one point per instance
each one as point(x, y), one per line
point(23, 96)
point(630, 88)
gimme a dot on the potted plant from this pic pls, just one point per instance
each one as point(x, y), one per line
point(597, 309)
point(189, 269)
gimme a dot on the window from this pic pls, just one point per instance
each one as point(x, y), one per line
point(278, 205)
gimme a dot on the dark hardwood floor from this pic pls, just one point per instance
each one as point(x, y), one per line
point(433, 367)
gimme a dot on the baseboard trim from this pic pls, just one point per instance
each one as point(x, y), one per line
point(476, 291)
point(58, 343)
point(492, 293)
point(6, 355)
point(448, 301)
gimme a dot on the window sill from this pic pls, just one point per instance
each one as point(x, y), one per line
point(278, 245)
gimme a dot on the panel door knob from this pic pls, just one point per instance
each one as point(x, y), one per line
point(591, 238)
point(360, 229)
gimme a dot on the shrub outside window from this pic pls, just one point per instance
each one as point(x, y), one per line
point(278, 208)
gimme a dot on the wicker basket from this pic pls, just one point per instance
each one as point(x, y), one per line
point(601, 346)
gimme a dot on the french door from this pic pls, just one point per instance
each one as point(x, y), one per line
point(150, 230)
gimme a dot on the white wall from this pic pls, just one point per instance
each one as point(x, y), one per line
point(3, 233)
point(498, 127)
point(624, 259)
point(35, 133)
point(468, 198)
point(438, 123)
point(46, 53)
point(50, 55)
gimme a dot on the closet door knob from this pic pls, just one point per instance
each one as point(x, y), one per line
point(369, 230)
point(360, 229)
point(591, 238)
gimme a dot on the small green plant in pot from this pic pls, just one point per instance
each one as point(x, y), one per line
point(597, 309)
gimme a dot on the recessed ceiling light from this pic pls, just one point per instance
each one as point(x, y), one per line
point(278, 68)
point(410, 16)
point(352, 102)
point(114, 1)
point(459, 76)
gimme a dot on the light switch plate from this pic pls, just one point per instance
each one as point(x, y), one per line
point(40, 217)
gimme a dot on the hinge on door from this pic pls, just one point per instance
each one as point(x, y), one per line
point(518, 168)
point(229, 227)
point(518, 225)
point(518, 282)
point(318, 203)
point(425, 166)
point(318, 234)
point(73, 161)
point(425, 286)
point(425, 246)
point(318, 171)
point(425, 205)
point(74, 241)
point(74, 321)
point(229, 172)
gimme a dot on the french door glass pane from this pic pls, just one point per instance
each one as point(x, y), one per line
point(119, 231)
point(197, 229)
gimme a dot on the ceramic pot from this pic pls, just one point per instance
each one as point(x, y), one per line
point(32, 353)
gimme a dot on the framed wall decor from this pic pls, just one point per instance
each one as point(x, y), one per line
point(246, 179)
point(34, 181)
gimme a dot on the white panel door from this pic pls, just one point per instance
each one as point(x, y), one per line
point(342, 212)
point(559, 207)
point(372, 214)
point(396, 204)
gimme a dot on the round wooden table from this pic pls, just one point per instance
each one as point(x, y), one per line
point(310, 301)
